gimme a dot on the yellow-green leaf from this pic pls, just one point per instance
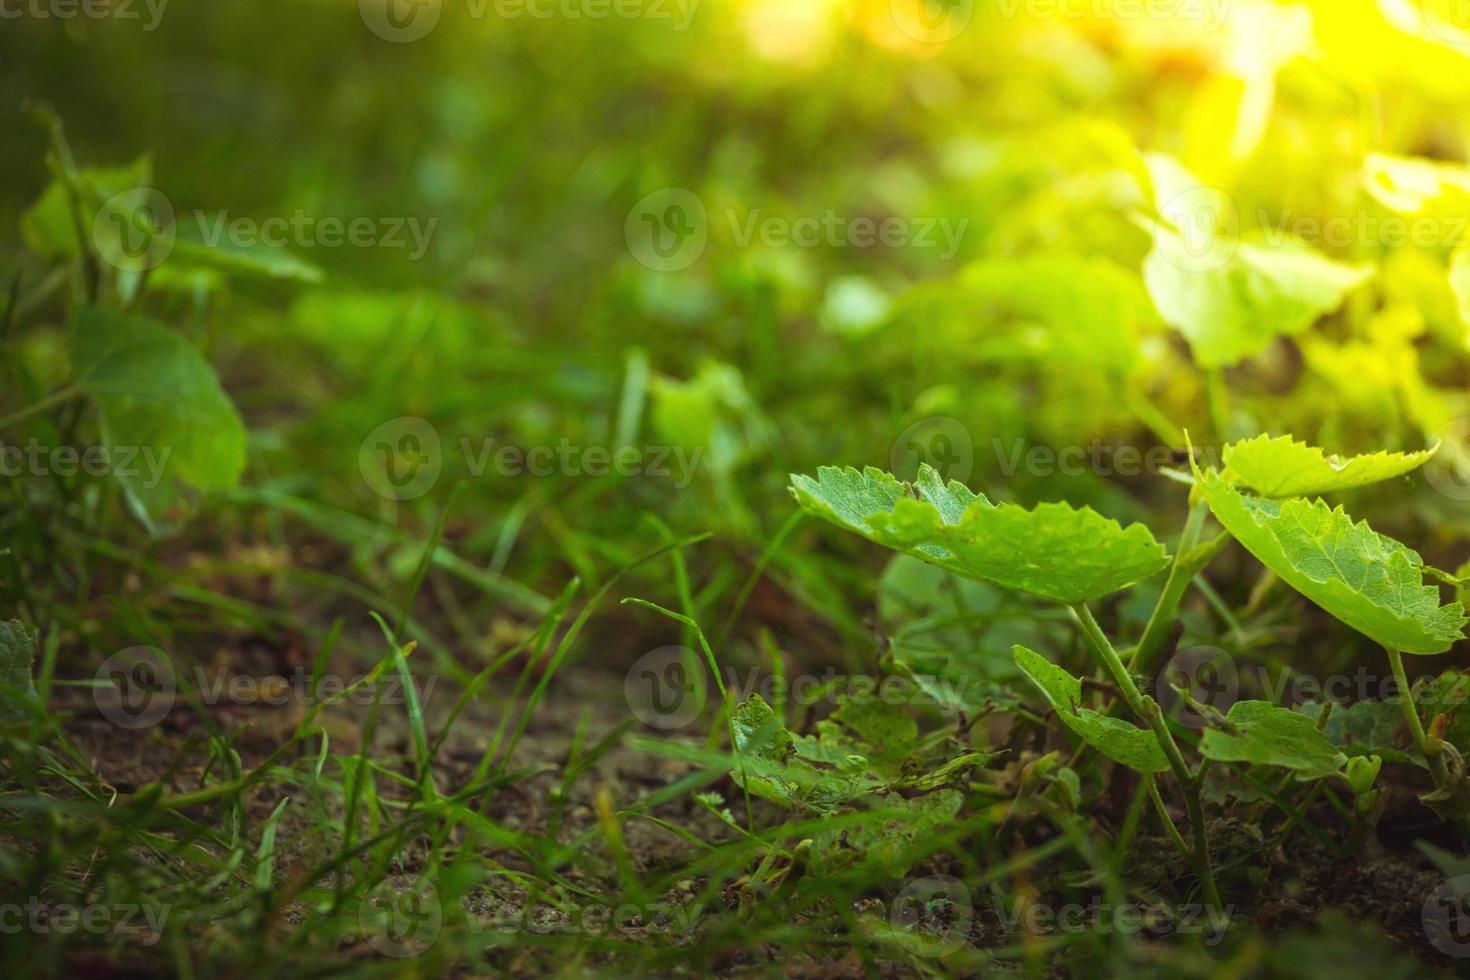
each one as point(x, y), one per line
point(1053, 550)
point(1369, 581)
point(1283, 467)
point(1115, 738)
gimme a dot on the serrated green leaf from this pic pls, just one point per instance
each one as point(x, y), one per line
point(17, 655)
point(1283, 467)
point(1115, 738)
point(1367, 728)
point(1263, 734)
point(1369, 581)
point(1054, 550)
point(1231, 298)
point(169, 427)
point(861, 749)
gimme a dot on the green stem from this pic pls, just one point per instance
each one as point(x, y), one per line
point(1433, 755)
point(1147, 709)
point(1168, 821)
point(55, 398)
point(1189, 561)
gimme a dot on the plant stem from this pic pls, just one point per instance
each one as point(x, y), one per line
point(1147, 709)
point(1188, 562)
point(1437, 767)
point(1168, 821)
point(55, 398)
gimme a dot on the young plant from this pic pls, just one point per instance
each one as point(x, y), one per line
point(1367, 580)
point(1055, 552)
point(1075, 557)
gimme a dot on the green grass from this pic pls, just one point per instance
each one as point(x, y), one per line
point(444, 609)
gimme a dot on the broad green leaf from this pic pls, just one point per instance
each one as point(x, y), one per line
point(875, 740)
point(17, 654)
point(1283, 467)
point(892, 834)
point(862, 749)
point(1262, 734)
point(1230, 298)
point(1377, 727)
point(169, 428)
point(1369, 581)
point(1367, 728)
point(1115, 738)
point(1054, 550)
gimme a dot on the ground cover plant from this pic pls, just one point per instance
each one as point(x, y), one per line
point(863, 488)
